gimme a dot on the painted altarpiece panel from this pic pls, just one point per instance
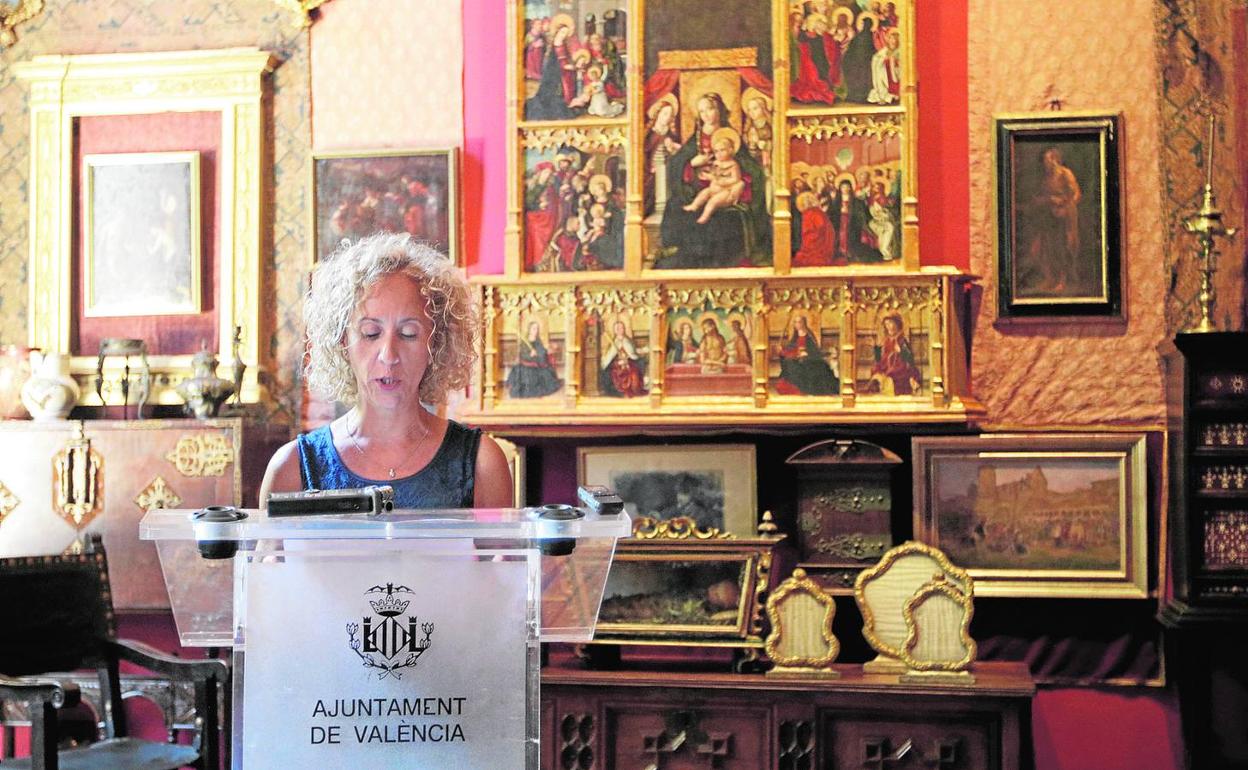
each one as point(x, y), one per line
point(574, 189)
point(803, 341)
point(893, 346)
point(616, 346)
point(708, 349)
point(575, 59)
point(533, 349)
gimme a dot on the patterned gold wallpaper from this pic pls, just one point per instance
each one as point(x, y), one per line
point(100, 26)
point(1070, 374)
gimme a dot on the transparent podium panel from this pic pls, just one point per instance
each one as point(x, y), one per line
point(407, 639)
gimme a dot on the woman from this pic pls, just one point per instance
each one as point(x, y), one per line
point(894, 372)
point(733, 237)
point(391, 329)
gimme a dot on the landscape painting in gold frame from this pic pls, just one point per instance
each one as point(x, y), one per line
point(1039, 515)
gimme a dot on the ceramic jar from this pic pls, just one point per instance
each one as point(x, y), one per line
point(205, 392)
point(51, 392)
point(14, 371)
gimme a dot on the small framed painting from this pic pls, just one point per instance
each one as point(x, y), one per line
point(1045, 515)
point(711, 484)
point(141, 217)
point(1058, 218)
point(358, 193)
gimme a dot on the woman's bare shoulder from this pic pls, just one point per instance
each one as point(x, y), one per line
point(283, 473)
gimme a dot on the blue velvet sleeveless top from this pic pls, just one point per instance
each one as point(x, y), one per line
point(446, 482)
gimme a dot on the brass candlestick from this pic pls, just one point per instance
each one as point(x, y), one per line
point(1207, 225)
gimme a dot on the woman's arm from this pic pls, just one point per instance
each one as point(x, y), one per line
point(493, 487)
point(283, 474)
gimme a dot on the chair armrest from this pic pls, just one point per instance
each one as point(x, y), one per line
point(169, 665)
point(49, 691)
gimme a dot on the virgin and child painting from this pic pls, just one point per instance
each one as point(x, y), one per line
point(803, 353)
point(574, 59)
point(573, 210)
point(847, 200)
point(708, 142)
point(361, 193)
point(533, 363)
point(616, 355)
point(708, 352)
point(844, 52)
point(890, 362)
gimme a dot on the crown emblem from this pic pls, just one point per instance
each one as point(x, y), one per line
point(389, 605)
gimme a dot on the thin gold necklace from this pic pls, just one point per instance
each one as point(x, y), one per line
point(389, 471)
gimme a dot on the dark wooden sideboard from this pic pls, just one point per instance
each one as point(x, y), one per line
point(639, 720)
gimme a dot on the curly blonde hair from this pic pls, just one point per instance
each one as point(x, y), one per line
point(340, 284)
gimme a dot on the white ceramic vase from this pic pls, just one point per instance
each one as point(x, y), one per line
point(50, 392)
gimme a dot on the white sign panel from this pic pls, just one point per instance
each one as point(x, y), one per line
point(385, 661)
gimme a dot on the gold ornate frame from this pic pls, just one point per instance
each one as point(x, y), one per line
point(1128, 581)
point(936, 588)
point(22, 12)
point(800, 583)
point(803, 122)
point(959, 577)
point(755, 559)
point(66, 88)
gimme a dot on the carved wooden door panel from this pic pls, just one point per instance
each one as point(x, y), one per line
point(866, 742)
point(725, 737)
point(28, 525)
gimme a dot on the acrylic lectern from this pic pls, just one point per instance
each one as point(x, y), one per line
point(405, 639)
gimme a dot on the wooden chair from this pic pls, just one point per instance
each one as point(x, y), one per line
point(57, 616)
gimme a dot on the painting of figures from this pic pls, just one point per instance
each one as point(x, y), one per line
point(574, 59)
point(616, 355)
point(1059, 221)
point(360, 193)
point(703, 595)
point(892, 353)
point(1028, 513)
point(1041, 514)
point(708, 352)
point(844, 52)
point(574, 209)
point(803, 346)
point(533, 358)
point(847, 200)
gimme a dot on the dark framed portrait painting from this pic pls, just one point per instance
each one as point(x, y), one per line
point(1059, 243)
point(358, 193)
point(141, 216)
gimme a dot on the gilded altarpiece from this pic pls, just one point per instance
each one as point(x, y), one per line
point(723, 197)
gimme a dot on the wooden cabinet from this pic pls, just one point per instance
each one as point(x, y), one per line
point(603, 720)
point(1207, 427)
point(62, 478)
